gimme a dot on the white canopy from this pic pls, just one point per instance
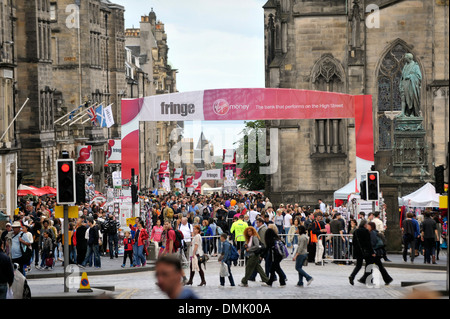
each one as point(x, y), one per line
point(425, 196)
point(346, 190)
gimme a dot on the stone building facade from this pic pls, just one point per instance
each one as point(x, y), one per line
point(149, 44)
point(9, 144)
point(354, 47)
point(60, 67)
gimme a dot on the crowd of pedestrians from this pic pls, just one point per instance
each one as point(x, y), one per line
point(238, 229)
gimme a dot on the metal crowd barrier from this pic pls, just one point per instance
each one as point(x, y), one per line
point(336, 248)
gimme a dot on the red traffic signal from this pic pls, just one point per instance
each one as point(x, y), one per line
point(373, 186)
point(65, 182)
point(65, 168)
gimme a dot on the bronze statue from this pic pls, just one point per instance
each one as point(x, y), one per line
point(410, 85)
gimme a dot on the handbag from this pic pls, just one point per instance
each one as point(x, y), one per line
point(224, 270)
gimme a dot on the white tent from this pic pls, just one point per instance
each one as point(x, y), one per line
point(425, 196)
point(345, 191)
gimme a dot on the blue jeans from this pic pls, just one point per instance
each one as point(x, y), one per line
point(3, 290)
point(230, 277)
point(301, 273)
point(113, 242)
point(280, 229)
point(219, 247)
point(72, 254)
point(138, 255)
point(92, 250)
point(44, 256)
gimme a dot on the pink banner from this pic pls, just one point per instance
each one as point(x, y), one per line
point(275, 104)
point(248, 104)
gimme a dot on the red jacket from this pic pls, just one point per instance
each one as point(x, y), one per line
point(143, 236)
point(128, 244)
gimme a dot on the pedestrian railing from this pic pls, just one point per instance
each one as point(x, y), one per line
point(336, 248)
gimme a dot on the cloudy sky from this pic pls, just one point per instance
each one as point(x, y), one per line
point(214, 44)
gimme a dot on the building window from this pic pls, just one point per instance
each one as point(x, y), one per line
point(329, 134)
point(158, 136)
point(53, 12)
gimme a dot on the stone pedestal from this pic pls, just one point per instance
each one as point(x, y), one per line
point(410, 151)
point(390, 188)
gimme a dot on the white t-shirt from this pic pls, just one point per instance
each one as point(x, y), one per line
point(323, 207)
point(253, 214)
point(287, 220)
point(187, 231)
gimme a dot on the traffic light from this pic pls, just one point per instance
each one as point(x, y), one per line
point(81, 190)
point(363, 190)
point(134, 195)
point(439, 179)
point(373, 186)
point(65, 182)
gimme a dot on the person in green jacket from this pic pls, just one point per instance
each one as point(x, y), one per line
point(237, 229)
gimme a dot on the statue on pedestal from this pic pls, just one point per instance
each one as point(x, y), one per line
point(410, 86)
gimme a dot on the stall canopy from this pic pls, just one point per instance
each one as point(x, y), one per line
point(24, 190)
point(425, 196)
point(345, 191)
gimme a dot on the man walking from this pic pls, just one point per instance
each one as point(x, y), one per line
point(187, 231)
point(337, 230)
point(92, 245)
point(112, 228)
point(409, 240)
point(429, 236)
point(238, 228)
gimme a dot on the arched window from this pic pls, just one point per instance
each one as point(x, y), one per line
point(389, 99)
point(328, 75)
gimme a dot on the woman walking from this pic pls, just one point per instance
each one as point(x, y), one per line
point(252, 247)
point(141, 236)
point(157, 231)
point(271, 243)
point(362, 249)
point(300, 255)
point(196, 253)
point(378, 246)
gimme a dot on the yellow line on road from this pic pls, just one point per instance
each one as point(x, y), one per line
point(127, 293)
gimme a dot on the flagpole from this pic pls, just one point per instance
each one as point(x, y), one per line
point(15, 117)
point(76, 109)
point(76, 117)
point(80, 116)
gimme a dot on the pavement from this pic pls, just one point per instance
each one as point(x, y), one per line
point(113, 266)
point(330, 281)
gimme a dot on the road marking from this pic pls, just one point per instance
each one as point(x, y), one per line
point(127, 293)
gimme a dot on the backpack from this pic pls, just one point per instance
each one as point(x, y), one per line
point(178, 239)
point(379, 244)
point(281, 249)
point(169, 213)
point(234, 255)
point(112, 227)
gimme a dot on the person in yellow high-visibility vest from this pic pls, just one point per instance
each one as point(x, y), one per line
point(238, 228)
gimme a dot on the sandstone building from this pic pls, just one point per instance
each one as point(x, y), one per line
point(355, 47)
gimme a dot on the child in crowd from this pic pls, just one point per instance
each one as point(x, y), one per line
point(128, 242)
point(47, 250)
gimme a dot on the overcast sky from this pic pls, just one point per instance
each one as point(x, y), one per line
point(214, 44)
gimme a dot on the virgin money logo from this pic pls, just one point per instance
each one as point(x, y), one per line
point(85, 154)
point(221, 107)
point(163, 166)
